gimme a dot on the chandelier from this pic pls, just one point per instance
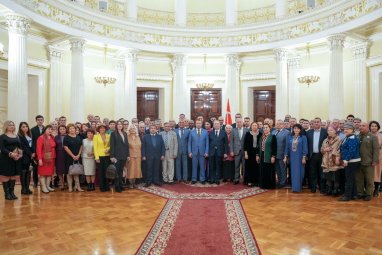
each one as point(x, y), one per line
point(204, 83)
point(307, 76)
point(105, 78)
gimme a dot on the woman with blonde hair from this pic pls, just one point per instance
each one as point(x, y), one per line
point(134, 170)
point(330, 150)
point(46, 155)
point(10, 159)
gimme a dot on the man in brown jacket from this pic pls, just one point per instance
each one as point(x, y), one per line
point(369, 150)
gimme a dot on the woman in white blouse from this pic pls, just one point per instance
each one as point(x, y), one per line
point(88, 159)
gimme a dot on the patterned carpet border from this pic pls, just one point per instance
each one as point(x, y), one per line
point(156, 240)
point(242, 239)
point(162, 192)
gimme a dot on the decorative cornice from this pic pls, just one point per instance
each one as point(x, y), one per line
point(17, 23)
point(360, 51)
point(374, 61)
point(336, 42)
point(281, 54)
point(258, 76)
point(150, 77)
point(340, 15)
point(215, 78)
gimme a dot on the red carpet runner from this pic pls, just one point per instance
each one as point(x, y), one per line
point(201, 220)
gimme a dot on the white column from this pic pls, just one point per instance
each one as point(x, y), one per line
point(17, 68)
point(131, 84)
point(360, 81)
point(181, 12)
point(180, 104)
point(132, 10)
point(232, 73)
point(55, 82)
point(231, 12)
point(376, 92)
point(336, 80)
point(120, 97)
point(293, 87)
point(281, 8)
point(77, 89)
point(281, 83)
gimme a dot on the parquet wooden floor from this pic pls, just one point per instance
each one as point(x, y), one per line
point(107, 223)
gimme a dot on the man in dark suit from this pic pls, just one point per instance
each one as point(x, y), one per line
point(221, 121)
point(36, 132)
point(281, 137)
point(237, 141)
point(153, 151)
point(182, 134)
point(218, 149)
point(237, 116)
point(315, 138)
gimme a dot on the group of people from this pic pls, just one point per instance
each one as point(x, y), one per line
point(336, 157)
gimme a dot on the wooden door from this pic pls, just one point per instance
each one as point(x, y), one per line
point(264, 104)
point(206, 103)
point(147, 104)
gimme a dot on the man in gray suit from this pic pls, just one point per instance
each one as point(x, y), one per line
point(282, 138)
point(237, 139)
point(171, 146)
point(182, 159)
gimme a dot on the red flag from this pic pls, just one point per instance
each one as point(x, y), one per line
point(228, 119)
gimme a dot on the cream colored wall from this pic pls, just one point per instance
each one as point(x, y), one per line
point(154, 68)
point(257, 67)
point(375, 48)
point(36, 50)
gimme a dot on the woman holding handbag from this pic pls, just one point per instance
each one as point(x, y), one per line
point(25, 137)
point(46, 155)
point(10, 159)
point(73, 148)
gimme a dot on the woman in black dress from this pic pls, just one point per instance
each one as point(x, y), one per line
point(251, 174)
point(266, 157)
point(25, 137)
point(229, 161)
point(61, 170)
point(73, 148)
point(10, 159)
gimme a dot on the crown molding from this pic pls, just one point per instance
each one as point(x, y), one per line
point(258, 76)
point(215, 78)
point(374, 61)
point(153, 77)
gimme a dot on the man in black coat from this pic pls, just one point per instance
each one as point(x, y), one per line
point(218, 148)
point(36, 132)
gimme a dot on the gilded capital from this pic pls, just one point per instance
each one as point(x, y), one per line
point(336, 42)
point(281, 54)
point(17, 24)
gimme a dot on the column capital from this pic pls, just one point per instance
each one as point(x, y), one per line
point(281, 54)
point(55, 52)
point(178, 60)
point(17, 23)
point(232, 59)
point(294, 62)
point(131, 55)
point(336, 41)
point(119, 64)
point(361, 50)
point(77, 44)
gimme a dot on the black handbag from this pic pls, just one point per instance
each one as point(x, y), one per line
point(111, 172)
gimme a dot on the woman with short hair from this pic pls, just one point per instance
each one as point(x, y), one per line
point(61, 170)
point(266, 157)
point(374, 128)
point(88, 159)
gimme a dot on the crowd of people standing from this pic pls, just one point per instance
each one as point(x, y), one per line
point(337, 157)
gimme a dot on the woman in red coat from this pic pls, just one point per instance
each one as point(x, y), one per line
point(46, 155)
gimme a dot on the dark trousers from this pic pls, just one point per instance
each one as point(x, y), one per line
point(104, 162)
point(35, 174)
point(189, 170)
point(118, 179)
point(153, 169)
point(215, 168)
point(144, 171)
point(350, 185)
point(315, 171)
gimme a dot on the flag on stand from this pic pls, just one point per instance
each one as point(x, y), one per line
point(228, 119)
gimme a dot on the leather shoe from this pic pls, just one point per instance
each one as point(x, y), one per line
point(313, 191)
point(203, 182)
point(193, 182)
point(367, 198)
point(217, 182)
point(235, 182)
point(344, 199)
point(147, 185)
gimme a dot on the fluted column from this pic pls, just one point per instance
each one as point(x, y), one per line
point(336, 80)
point(181, 12)
point(55, 82)
point(131, 83)
point(120, 96)
point(132, 10)
point(360, 80)
point(77, 89)
point(281, 56)
point(180, 104)
point(231, 12)
point(232, 73)
point(293, 87)
point(18, 27)
point(281, 8)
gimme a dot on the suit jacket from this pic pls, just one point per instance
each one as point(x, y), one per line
point(151, 151)
point(27, 150)
point(233, 125)
point(310, 137)
point(183, 140)
point(282, 139)
point(119, 148)
point(35, 135)
point(218, 144)
point(172, 143)
point(198, 145)
point(238, 144)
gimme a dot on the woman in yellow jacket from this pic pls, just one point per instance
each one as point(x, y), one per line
point(101, 143)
